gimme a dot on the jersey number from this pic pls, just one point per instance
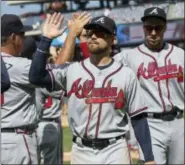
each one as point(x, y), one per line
point(2, 99)
point(48, 102)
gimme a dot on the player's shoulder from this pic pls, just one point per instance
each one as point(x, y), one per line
point(18, 63)
point(123, 68)
point(22, 62)
point(15, 59)
point(74, 65)
point(58, 67)
point(140, 48)
point(84, 63)
point(177, 49)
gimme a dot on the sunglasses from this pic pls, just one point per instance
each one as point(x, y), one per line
point(157, 28)
point(97, 33)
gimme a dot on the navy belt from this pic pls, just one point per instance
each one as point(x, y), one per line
point(167, 116)
point(97, 143)
point(50, 120)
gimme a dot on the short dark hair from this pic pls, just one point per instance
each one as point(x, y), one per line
point(4, 40)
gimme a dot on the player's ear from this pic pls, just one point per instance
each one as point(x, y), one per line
point(114, 40)
point(13, 37)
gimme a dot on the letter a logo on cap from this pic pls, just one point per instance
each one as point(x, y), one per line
point(154, 11)
point(101, 20)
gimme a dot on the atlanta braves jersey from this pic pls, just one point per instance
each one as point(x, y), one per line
point(49, 103)
point(161, 75)
point(19, 108)
point(97, 98)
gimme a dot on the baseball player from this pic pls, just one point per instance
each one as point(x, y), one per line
point(48, 105)
point(159, 67)
point(18, 113)
point(98, 89)
point(5, 80)
point(49, 127)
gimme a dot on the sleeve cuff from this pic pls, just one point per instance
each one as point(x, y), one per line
point(44, 44)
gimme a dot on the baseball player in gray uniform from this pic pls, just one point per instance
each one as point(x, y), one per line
point(48, 105)
point(159, 67)
point(18, 113)
point(98, 89)
point(49, 133)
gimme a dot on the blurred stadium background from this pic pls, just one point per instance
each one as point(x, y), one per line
point(126, 13)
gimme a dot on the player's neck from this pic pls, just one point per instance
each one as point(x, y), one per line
point(158, 48)
point(100, 59)
point(8, 50)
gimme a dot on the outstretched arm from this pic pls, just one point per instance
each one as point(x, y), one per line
point(75, 28)
point(38, 74)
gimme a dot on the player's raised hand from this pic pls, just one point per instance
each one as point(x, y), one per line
point(78, 22)
point(51, 27)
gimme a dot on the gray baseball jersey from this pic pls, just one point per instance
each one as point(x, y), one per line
point(19, 107)
point(49, 106)
point(18, 111)
point(160, 75)
point(49, 103)
point(97, 98)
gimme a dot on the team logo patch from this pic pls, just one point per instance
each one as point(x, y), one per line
point(160, 73)
point(93, 95)
point(102, 20)
point(154, 11)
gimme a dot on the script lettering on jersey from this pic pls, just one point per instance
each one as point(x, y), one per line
point(160, 73)
point(93, 95)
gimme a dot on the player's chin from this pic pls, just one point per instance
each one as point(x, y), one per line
point(154, 43)
point(93, 49)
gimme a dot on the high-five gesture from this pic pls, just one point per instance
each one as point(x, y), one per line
point(78, 22)
point(75, 26)
point(51, 27)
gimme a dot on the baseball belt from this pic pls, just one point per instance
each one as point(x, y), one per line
point(28, 131)
point(50, 120)
point(176, 113)
point(97, 143)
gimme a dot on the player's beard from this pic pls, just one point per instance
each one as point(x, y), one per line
point(96, 49)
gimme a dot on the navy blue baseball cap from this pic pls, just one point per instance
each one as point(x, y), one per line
point(11, 23)
point(103, 22)
point(154, 12)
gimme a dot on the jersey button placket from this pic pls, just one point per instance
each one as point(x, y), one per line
point(99, 74)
